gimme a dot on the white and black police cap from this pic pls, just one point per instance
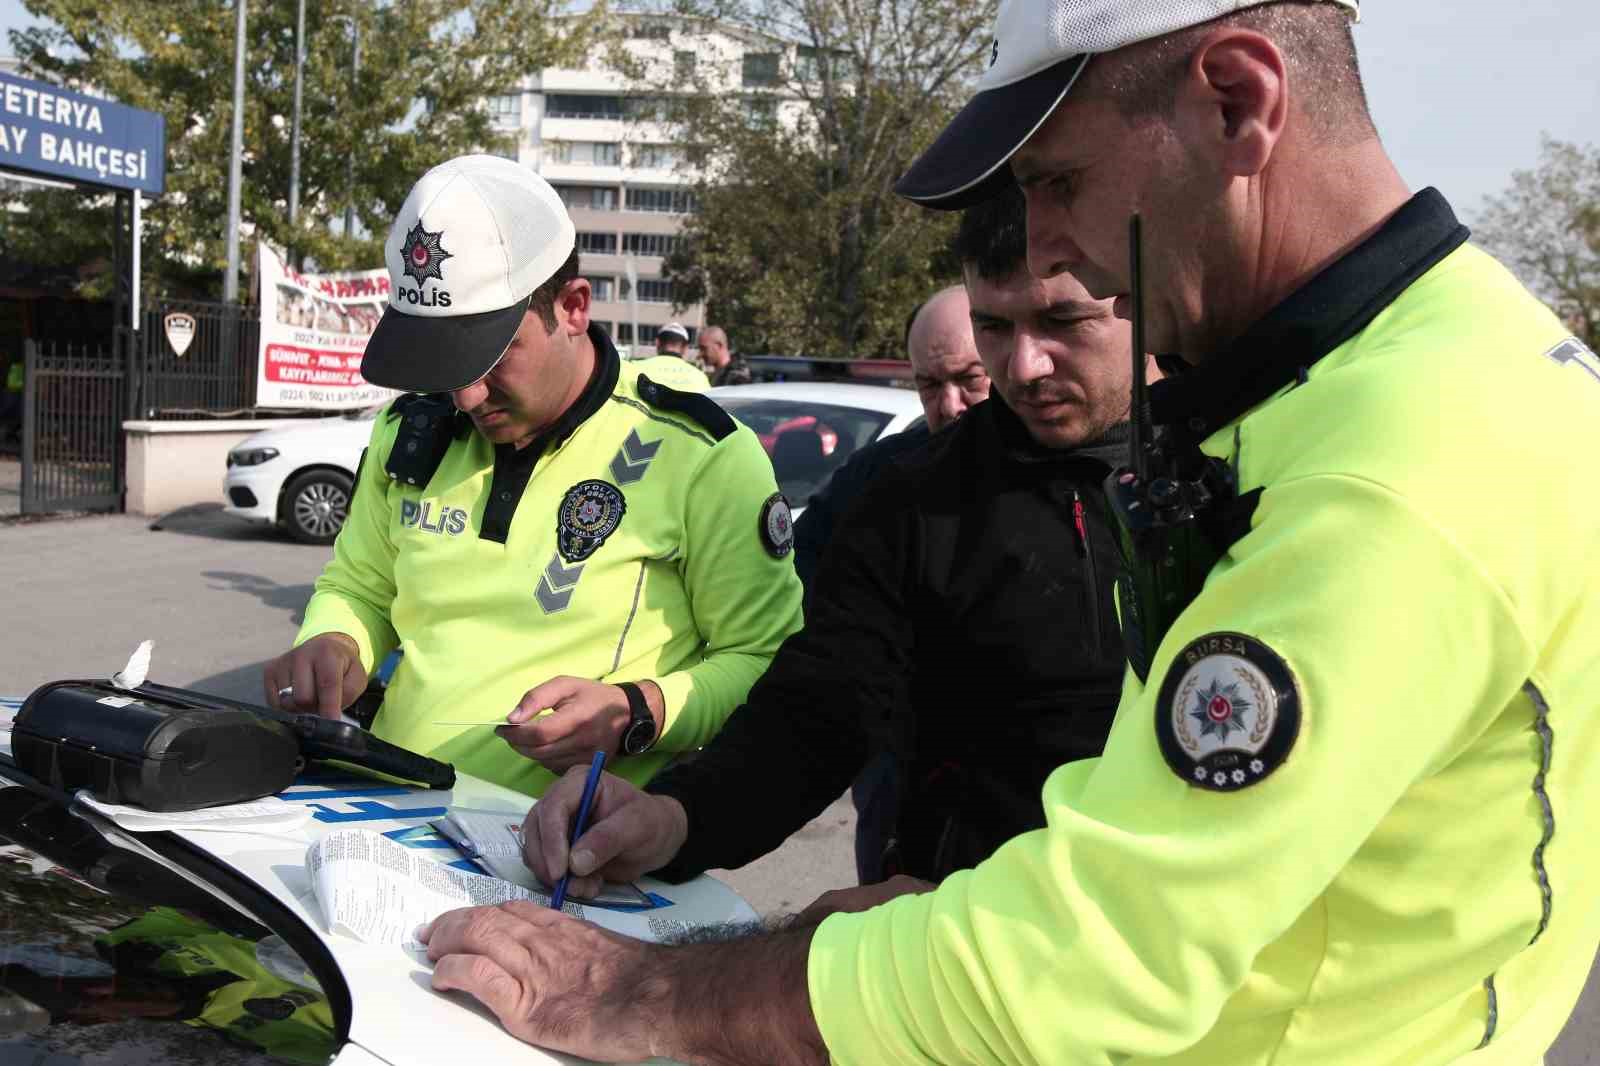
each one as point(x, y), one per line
point(475, 237)
point(1039, 50)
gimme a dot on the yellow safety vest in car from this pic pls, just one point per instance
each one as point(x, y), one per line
point(289, 1021)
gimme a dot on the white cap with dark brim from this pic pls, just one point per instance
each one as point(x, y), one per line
point(1039, 51)
point(473, 240)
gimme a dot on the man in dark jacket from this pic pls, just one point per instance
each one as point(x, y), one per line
point(950, 379)
point(964, 619)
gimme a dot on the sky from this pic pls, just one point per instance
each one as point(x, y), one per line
point(1461, 90)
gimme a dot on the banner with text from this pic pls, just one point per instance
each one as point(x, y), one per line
point(314, 328)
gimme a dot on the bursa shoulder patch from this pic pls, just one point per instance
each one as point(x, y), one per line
point(1228, 713)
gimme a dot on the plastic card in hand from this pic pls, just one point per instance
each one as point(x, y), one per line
point(494, 840)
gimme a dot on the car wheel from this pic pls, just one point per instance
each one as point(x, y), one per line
point(315, 506)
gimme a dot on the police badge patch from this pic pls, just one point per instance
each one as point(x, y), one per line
point(590, 512)
point(1228, 712)
point(777, 526)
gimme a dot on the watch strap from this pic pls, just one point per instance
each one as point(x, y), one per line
point(639, 717)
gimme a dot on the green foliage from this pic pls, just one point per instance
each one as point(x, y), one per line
point(799, 244)
point(426, 65)
point(1546, 228)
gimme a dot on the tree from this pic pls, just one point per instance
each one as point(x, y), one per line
point(426, 67)
point(1546, 228)
point(798, 243)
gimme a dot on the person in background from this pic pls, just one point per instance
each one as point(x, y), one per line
point(11, 399)
point(672, 365)
point(724, 367)
point(673, 339)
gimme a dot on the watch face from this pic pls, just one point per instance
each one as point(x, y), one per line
point(638, 738)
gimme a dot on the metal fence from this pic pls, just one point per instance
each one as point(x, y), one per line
point(72, 408)
point(213, 375)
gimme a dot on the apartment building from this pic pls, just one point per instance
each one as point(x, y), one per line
point(593, 136)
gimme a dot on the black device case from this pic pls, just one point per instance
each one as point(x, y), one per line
point(325, 739)
point(151, 750)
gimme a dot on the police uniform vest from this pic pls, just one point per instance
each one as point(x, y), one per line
point(1348, 816)
point(640, 537)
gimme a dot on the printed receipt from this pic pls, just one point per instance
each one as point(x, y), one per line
point(379, 892)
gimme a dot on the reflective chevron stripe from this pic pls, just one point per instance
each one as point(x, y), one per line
point(556, 585)
point(633, 459)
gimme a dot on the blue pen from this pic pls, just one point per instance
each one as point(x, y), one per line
point(579, 824)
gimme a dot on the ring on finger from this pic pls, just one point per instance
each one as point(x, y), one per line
point(286, 692)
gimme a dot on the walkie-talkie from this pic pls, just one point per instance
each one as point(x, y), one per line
point(1161, 502)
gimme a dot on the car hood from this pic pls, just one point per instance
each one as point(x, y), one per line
point(311, 431)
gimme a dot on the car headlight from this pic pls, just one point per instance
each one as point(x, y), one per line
point(251, 456)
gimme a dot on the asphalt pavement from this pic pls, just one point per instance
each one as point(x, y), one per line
point(220, 598)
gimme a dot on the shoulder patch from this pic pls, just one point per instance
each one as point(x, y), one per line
point(695, 406)
point(590, 512)
point(1228, 713)
point(777, 526)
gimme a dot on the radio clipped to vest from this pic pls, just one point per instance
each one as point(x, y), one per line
point(428, 426)
point(1168, 508)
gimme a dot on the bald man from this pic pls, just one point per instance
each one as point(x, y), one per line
point(944, 358)
point(720, 363)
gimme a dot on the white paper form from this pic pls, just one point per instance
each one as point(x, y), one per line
point(494, 840)
point(269, 815)
point(377, 891)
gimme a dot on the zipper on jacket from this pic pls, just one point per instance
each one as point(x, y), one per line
point(1086, 553)
point(1078, 524)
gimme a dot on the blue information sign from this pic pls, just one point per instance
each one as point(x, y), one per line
point(56, 132)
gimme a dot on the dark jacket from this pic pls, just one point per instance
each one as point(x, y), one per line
point(813, 530)
point(963, 617)
point(734, 372)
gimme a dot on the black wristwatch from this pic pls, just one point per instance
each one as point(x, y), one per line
point(640, 734)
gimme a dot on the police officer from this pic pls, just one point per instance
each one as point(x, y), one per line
point(672, 365)
point(1346, 811)
point(540, 531)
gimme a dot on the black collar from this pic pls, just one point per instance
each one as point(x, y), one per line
point(513, 466)
point(607, 368)
point(1318, 317)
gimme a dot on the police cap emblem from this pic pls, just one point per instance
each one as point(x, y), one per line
point(590, 512)
point(1228, 713)
point(423, 254)
point(777, 526)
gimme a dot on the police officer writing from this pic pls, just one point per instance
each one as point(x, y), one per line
point(541, 531)
point(1346, 811)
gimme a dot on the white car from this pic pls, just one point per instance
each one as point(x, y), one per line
point(299, 477)
point(810, 429)
point(199, 946)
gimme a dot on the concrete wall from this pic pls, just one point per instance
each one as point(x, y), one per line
point(175, 464)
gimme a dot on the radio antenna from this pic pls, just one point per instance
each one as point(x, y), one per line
point(1140, 436)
